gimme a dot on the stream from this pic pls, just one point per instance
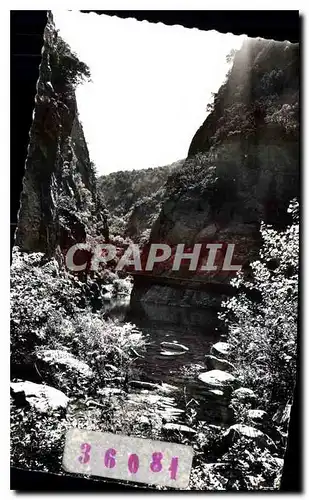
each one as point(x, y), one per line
point(196, 329)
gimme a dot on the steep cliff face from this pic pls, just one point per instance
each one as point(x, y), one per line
point(59, 203)
point(242, 166)
point(258, 103)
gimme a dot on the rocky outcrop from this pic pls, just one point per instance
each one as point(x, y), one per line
point(264, 77)
point(57, 358)
point(258, 416)
point(218, 364)
point(242, 166)
point(151, 292)
point(220, 349)
point(41, 397)
point(59, 204)
point(217, 379)
point(244, 395)
point(237, 431)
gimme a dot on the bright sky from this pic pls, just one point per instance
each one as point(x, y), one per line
point(151, 85)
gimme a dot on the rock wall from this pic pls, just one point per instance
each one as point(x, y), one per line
point(60, 204)
point(242, 165)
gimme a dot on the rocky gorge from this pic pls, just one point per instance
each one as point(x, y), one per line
point(162, 366)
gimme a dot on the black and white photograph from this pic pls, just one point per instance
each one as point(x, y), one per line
point(155, 258)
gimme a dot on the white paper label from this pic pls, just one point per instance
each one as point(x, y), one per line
point(128, 458)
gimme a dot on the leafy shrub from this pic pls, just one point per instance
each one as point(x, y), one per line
point(51, 309)
point(39, 290)
point(66, 67)
point(37, 439)
point(250, 468)
point(207, 478)
point(285, 115)
point(263, 335)
point(197, 171)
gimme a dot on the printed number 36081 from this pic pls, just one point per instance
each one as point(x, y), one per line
point(133, 460)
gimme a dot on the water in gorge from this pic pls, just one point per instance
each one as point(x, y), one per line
point(178, 338)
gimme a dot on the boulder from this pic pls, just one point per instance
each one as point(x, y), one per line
point(217, 379)
point(245, 395)
point(238, 431)
point(216, 428)
point(64, 358)
point(174, 346)
point(219, 364)
point(220, 349)
point(218, 395)
point(172, 349)
point(164, 406)
point(41, 397)
point(258, 416)
point(206, 233)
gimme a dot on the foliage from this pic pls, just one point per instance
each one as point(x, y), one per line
point(206, 478)
point(51, 307)
point(250, 468)
point(240, 411)
point(286, 115)
point(37, 439)
point(230, 56)
point(197, 171)
point(258, 101)
point(66, 67)
point(134, 198)
point(244, 466)
point(51, 310)
point(39, 289)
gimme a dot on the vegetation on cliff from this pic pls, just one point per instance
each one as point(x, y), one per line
point(259, 100)
point(134, 198)
point(243, 162)
point(59, 201)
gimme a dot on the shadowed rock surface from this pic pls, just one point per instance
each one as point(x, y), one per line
point(59, 203)
point(41, 397)
point(242, 167)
